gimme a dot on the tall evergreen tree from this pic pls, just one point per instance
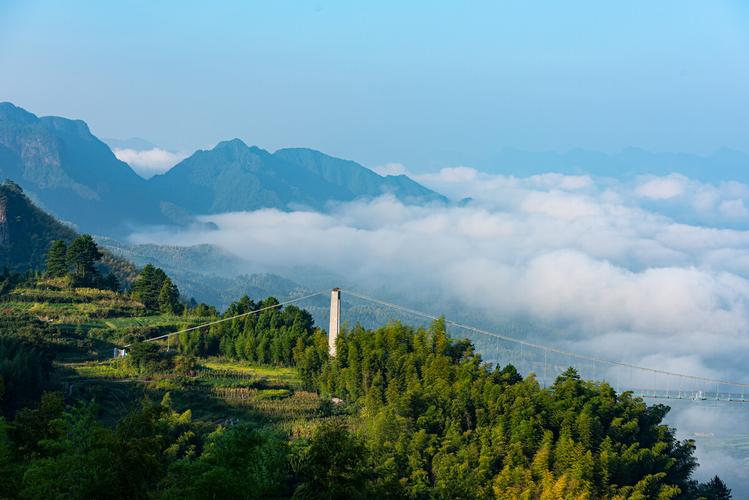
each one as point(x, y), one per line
point(82, 255)
point(112, 283)
point(715, 489)
point(57, 260)
point(147, 288)
point(169, 298)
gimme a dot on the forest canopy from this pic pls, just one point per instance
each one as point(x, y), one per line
point(399, 412)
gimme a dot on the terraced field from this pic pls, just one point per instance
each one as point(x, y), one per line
point(82, 326)
point(84, 323)
point(218, 392)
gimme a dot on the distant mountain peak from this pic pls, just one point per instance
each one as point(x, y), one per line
point(235, 143)
point(11, 113)
point(236, 148)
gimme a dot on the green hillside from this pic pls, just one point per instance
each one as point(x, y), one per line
point(255, 408)
point(26, 232)
point(206, 273)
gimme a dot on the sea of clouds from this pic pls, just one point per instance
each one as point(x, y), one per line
point(615, 275)
point(650, 270)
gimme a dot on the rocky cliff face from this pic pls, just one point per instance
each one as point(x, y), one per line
point(72, 173)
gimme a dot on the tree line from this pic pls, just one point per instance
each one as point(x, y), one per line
point(423, 417)
point(78, 262)
point(434, 420)
point(270, 336)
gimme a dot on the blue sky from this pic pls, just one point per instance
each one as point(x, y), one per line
point(388, 81)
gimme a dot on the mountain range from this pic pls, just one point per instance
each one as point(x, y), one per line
point(69, 172)
point(233, 176)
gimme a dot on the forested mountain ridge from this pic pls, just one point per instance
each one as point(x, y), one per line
point(75, 176)
point(27, 233)
point(205, 272)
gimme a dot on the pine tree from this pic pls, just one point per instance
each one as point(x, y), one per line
point(112, 283)
point(715, 489)
point(169, 298)
point(82, 256)
point(57, 263)
point(147, 288)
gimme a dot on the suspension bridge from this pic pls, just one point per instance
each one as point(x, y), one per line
point(544, 361)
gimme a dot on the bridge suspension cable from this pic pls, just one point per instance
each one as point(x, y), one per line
point(548, 349)
point(204, 325)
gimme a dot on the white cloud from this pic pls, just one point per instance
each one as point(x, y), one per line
point(733, 208)
point(563, 182)
point(391, 169)
point(719, 433)
point(149, 162)
point(662, 188)
point(559, 205)
point(501, 191)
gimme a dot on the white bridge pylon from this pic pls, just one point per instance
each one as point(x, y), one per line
point(335, 320)
point(547, 363)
